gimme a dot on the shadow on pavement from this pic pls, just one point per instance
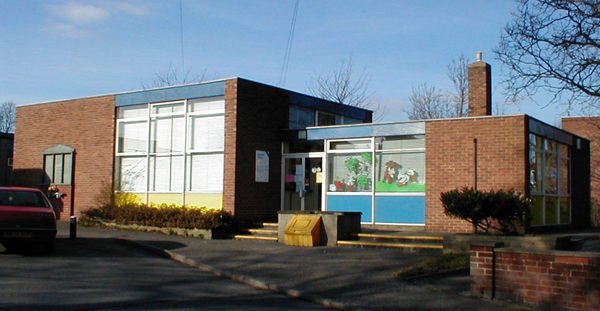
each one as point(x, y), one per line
point(89, 247)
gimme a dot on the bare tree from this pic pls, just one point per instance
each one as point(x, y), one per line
point(344, 85)
point(457, 73)
point(429, 102)
point(172, 76)
point(8, 114)
point(554, 45)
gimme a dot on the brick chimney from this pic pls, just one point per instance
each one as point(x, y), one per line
point(480, 87)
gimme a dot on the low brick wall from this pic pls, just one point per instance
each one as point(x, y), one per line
point(559, 279)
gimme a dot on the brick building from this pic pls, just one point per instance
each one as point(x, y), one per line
point(194, 144)
point(254, 149)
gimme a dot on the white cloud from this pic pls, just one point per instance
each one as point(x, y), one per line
point(77, 19)
point(67, 30)
point(131, 9)
point(80, 14)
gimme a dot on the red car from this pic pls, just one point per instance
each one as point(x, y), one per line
point(26, 218)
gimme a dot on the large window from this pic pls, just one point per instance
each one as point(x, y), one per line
point(58, 168)
point(169, 147)
point(349, 165)
point(549, 181)
point(400, 164)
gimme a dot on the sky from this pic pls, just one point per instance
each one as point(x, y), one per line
point(61, 49)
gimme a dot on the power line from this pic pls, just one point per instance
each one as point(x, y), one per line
point(181, 35)
point(288, 47)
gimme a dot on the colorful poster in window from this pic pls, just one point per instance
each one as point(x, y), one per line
point(351, 173)
point(400, 172)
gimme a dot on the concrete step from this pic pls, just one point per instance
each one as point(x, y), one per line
point(389, 245)
point(262, 232)
point(254, 237)
point(395, 240)
point(400, 237)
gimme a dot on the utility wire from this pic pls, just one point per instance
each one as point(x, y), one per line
point(288, 47)
point(181, 35)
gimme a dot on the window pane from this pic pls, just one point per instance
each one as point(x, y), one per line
point(68, 163)
point(133, 111)
point(167, 135)
point(535, 170)
point(564, 151)
point(350, 145)
point(350, 172)
point(58, 169)
point(48, 168)
point(565, 210)
point(351, 121)
point(132, 174)
point(551, 173)
point(206, 105)
point(206, 172)
point(400, 172)
point(550, 210)
point(132, 136)
point(301, 117)
point(404, 142)
point(207, 133)
point(166, 173)
point(325, 119)
point(564, 177)
point(537, 211)
point(167, 108)
point(532, 140)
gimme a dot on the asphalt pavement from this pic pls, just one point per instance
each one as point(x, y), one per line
point(334, 277)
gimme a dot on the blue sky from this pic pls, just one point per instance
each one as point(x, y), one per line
point(52, 50)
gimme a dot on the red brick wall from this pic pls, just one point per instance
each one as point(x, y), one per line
point(480, 89)
point(589, 127)
point(254, 117)
point(552, 278)
point(84, 124)
point(450, 161)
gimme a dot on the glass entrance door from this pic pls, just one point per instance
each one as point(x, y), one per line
point(302, 183)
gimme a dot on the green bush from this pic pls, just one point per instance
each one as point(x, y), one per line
point(163, 215)
point(502, 210)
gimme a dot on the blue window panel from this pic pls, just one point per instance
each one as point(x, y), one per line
point(366, 130)
point(351, 203)
point(205, 89)
point(400, 209)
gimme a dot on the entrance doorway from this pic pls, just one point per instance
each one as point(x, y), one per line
point(302, 183)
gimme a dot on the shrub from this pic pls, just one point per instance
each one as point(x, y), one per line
point(465, 204)
point(508, 208)
point(501, 210)
point(160, 216)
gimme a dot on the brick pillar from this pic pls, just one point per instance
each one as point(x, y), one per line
point(482, 268)
point(480, 88)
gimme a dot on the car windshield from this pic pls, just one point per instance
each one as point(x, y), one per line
point(22, 198)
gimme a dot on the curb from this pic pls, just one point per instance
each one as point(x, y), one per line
point(243, 279)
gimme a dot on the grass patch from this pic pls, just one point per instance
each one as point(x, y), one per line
point(434, 265)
